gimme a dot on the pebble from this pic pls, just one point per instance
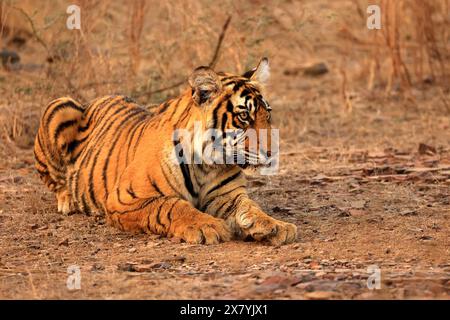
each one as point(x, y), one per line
point(319, 295)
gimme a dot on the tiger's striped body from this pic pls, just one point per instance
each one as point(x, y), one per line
point(113, 156)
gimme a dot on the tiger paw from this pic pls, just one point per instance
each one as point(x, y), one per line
point(63, 202)
point(206, 230)
point(262, 227)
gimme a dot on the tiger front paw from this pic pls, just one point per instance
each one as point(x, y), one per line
point(204, 230)
point(262, 227)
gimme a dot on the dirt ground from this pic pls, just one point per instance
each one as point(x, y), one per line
point(367, 187)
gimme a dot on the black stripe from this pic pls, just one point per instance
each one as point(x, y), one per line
point(128, 115)
point(164, 107)
point(215, 115)
point(42, 164)
point(157, 188)
point(207, 204)
point(185, 113)
point(169, 117)
point(48, 158)
point(97, 109)
point(217, 211)
point(61, 127)
point(224, 182)
point(170, 183)
point(158, 218)
point(169, 212)
point(105, 130)
point(104, 127)
point(57, 108)
point(117, 135)
point(115, 106)
point(118, 198)
point(187, 179)
point(238, 85)
point(131, 192)
point(131, 133)
point(71, 148)
point(144, 204)
point(86, 207)
point(245, 92)
point(186, 175)
point(121, 227)
point(232, 207)
point(138, 139)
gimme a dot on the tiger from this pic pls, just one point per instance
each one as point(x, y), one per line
point(114, 157)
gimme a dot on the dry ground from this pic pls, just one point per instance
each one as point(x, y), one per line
point(354, 178)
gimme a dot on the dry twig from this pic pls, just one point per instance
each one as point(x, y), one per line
point(211, 64)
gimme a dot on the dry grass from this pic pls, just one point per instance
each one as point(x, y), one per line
point(159, 43)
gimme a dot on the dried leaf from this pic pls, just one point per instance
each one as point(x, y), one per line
point(425, 149)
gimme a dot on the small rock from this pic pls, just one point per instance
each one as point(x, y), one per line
point(18, 180)
point(320, 274)
point(315, 69)
point(176, 258)
point(143, 267)
point(358, 204)
point(34, 226)
point(132, 250)
point(408, 212)
point(65, 242)
point(97, 267)
point(277, 282)
point(357, 213)
point(319, 295)
point(340, 277)
point(277, 209)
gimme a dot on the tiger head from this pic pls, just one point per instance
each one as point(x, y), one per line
point(234, 106)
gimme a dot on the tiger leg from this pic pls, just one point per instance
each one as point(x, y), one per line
point(168, 216)
point(58, 129)
point(250, 221)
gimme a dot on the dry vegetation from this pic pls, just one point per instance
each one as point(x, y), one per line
point(364, 117)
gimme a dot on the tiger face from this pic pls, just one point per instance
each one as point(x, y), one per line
point(234, 106)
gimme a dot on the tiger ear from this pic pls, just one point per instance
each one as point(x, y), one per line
point(205, 84)
point(261, 73)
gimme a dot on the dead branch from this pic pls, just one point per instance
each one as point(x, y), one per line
point(215, 57)
point(33, 28)
point(211, 64)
